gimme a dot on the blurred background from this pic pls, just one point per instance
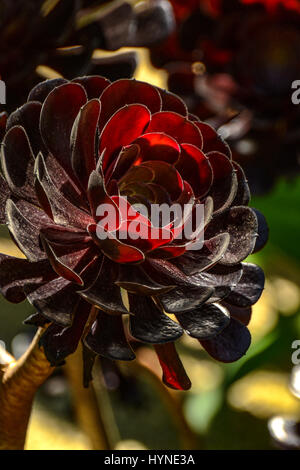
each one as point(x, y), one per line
point(229, 405)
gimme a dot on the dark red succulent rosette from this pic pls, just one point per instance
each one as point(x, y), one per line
point(64, 35)
point(3, 119)
point(76, 145)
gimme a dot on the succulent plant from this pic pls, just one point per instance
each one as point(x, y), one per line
point(77, 146)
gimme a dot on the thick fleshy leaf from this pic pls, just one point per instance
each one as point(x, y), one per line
point(59, 267)
point(63, 211)
point(70, 189)
point(42, 90)
point(123, 128)
point(187, 196)
point(28, 116)
point(112, 188)
point(208, 210)
point(148, 324)
point(193, 117)
point(56, 300)
point(3, 121)
point(212, 252)
point(42, 197)
point(17, 163)
point(59, 342)
point(4, 195)
point(157, 146)
point(93, 85)
point(65, 236)
point(97, 194)
point(195, 168)
point(212, 142)
point(167, 252)
point(249, 288)
point(241, 224)
point(263, 231)
point(83, 141)
point(136, 280)
point(140, 191)
point(36, 319)
point(142, 236)
point(171, 102)
point(103, 293)
point(167, 176)
point(58, 114)
point(91, 270)
point(222, 278)
point(124, 161)
point(174, 374)
point(128, 212)
point(189, 229)
point(184, 299)
point(177, 126)
point(224, 186)
point(15, 273)
point(107, 338)
point(125, 92)
point(114, 249)
point(34, 214)
point(243, 315)
point(71, 260)
point(76, 257)
point(166, 273)
point(24, 233)
point(141, 173)
point(231, 344)
point(204, 322)
point(242, 197)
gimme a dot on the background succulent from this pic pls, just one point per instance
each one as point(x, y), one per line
point(64, 34)
point(234, 63)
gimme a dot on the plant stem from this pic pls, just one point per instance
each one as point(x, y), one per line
point(89, 414)
point(188, 439)
point(19, 381)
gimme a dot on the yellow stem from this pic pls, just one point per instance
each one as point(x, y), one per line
point(19, 381)
point(89, 415)
point(188, 439)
